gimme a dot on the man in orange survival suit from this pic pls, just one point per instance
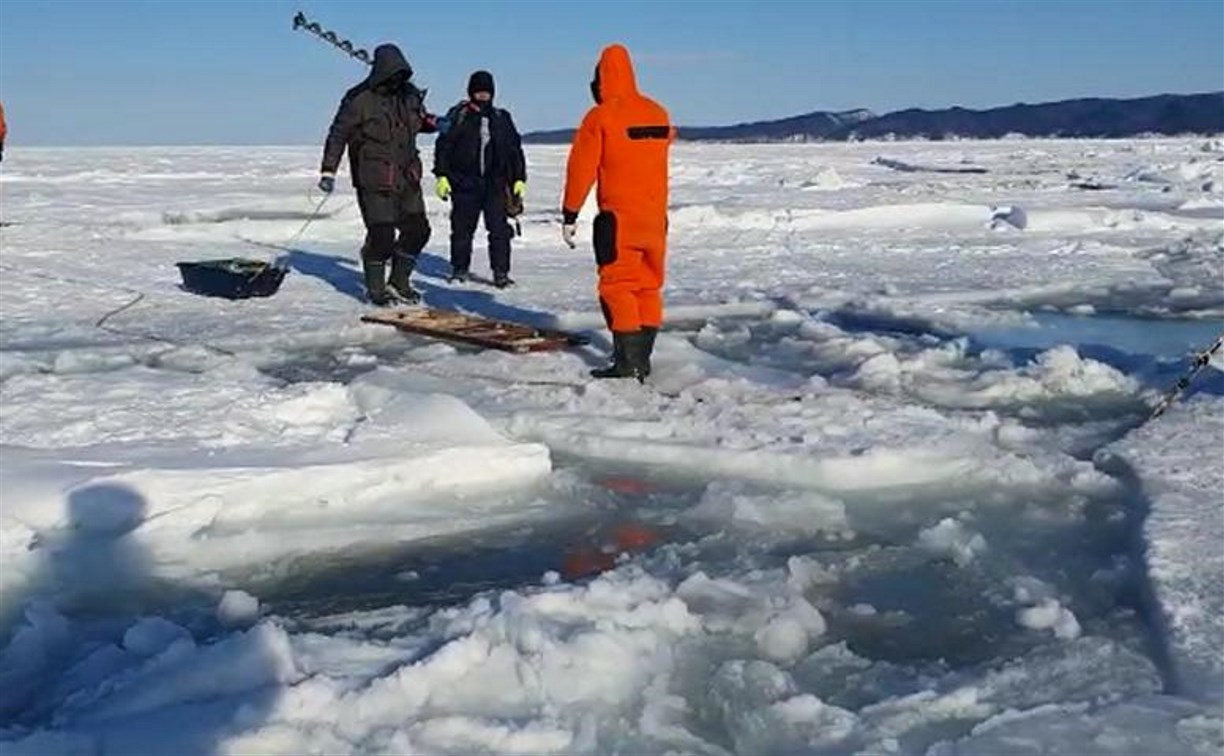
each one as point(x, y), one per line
point(623, 142)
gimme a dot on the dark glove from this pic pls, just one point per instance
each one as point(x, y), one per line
point(327, 183)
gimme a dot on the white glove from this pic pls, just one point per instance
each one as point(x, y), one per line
point(568, 231)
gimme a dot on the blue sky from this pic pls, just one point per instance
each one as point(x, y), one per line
point(230, 71)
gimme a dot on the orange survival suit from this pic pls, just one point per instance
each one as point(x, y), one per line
point(623, 144)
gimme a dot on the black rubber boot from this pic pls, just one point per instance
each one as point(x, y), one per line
point(619, 367)
point(376, 282)
point(648, 338)
point(400, 284)
point(637, 354)
point(628, 357)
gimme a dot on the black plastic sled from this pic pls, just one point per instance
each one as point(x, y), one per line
point(233, 278)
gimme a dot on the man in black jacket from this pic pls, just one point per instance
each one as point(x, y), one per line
point(377, 123)
point(478, 160)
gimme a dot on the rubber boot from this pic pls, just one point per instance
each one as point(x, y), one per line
point(400, 283)
point(619, 365)
point(637, 354)
point(628, 357)
point(648, 338)
point(376, 282)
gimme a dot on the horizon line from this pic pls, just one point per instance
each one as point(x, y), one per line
point(1146, 137)
point(1219, 92)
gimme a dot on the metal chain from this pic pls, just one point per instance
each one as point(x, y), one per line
point(301, 22)
point(1196, 366)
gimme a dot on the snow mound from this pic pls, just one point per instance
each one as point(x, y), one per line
point(238, 608)
point(1008, 216)
point(929, 215)
point(385, 469)
point(826, 180)
point(945, 375)
point(952, 539)
point(217, 408)
point(225, 215)
point(1050, 615)
point(734, 506)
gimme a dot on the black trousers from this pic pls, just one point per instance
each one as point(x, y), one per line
point(467, 205)
point(385, 214)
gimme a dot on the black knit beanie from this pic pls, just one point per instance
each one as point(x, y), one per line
point(481, 81)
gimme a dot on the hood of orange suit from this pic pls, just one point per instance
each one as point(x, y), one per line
point(615, 72)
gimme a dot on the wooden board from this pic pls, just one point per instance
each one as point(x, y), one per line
point(473, 329)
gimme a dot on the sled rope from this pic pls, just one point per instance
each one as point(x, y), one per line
point(101, 323)
point(288, 245)
point(282, 261)
point(139, 296)
point(314, 216)
point(1196, 366)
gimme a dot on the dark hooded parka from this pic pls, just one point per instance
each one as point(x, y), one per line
point(377, 123)
point(481, 155)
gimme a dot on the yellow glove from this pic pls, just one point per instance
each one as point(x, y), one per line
point(519, 189)
point(443, 188)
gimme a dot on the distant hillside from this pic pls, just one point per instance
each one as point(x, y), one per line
point(818, 125)
point(1167, 114)
point(1096, 117)
point(554, 136)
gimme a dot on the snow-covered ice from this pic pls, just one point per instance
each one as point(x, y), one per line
point(1178, 462)
point(891, 489)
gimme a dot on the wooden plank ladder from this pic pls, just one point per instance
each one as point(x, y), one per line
point(473, 329)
